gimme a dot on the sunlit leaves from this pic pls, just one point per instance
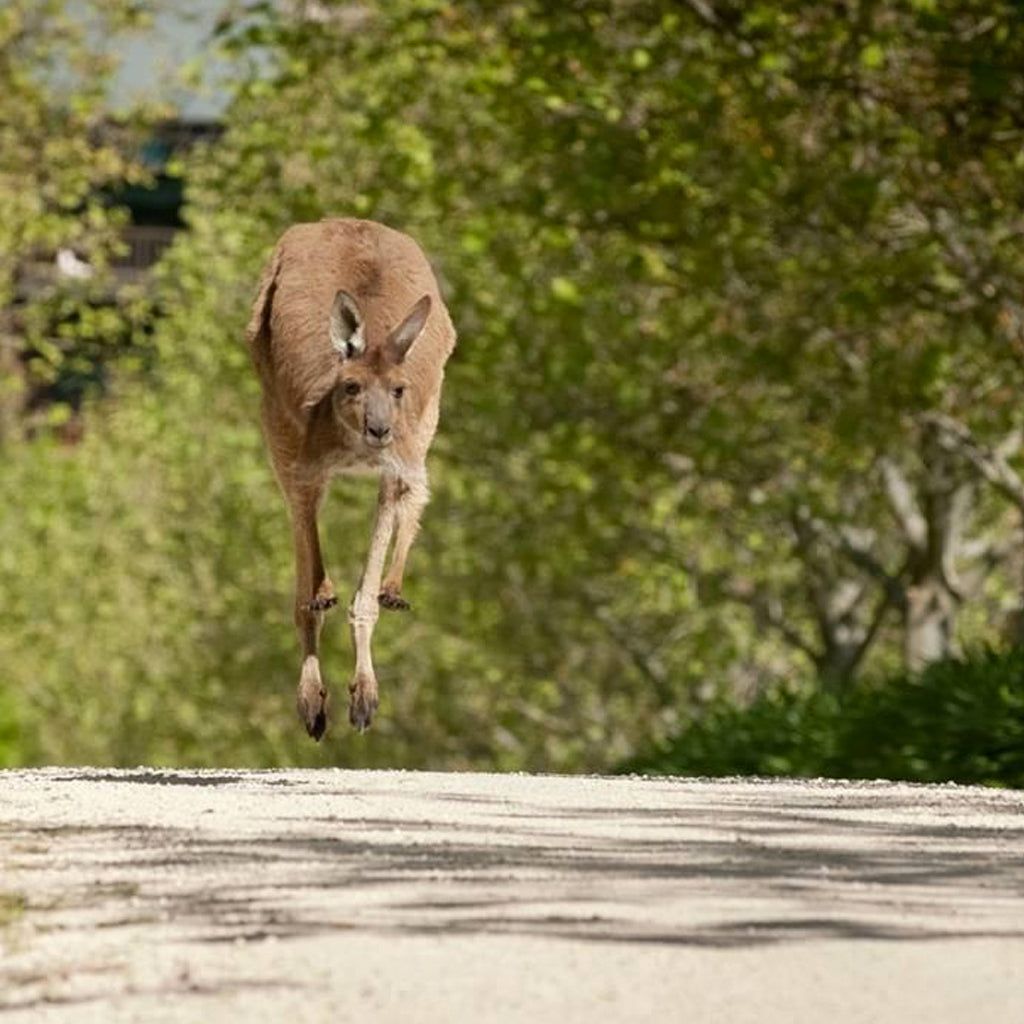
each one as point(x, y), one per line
point(708, 263)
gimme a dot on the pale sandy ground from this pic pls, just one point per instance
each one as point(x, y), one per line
point(411, 897)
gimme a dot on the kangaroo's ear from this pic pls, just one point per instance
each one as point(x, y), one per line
point(346, 326)
point(401, 339)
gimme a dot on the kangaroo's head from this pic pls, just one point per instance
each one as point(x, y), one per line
point(368, 398)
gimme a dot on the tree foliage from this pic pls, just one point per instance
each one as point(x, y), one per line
point(62, 148)
point(739, 302)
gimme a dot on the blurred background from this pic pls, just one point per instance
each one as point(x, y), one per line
point(730, 474)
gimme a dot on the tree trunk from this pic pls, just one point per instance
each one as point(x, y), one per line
point(933, 517)
point(838, 666)
point(843, 631)
point(929, 622)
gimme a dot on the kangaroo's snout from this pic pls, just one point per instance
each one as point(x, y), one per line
point(377, 416)
point(378, 433)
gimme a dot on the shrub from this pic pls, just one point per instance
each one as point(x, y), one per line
point(957, 721)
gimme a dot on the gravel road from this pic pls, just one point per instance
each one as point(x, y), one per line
point(148, 895)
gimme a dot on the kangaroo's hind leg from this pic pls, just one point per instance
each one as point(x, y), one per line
point(314, 594)
point(364, 611)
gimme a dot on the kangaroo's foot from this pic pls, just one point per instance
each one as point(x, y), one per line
point(311, 699)
point(324, 597)
point(363, 702)
point(391, 599)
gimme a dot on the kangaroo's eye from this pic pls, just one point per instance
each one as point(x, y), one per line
point(352, 388)
point(398, 392)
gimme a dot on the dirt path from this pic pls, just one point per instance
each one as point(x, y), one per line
point(413, 897)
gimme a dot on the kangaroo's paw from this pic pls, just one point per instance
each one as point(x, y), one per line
point(393, 601)
point(311, 702)
point(363, 703)
point(324, 598)
point(313, 712)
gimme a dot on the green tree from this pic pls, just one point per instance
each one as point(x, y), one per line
point(736, 289)
point(60, 147)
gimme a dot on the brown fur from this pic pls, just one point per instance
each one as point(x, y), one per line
point(314, 428)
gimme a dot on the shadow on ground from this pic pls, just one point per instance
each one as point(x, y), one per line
point(569, 873)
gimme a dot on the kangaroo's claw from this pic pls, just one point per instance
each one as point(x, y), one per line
point(393, 602)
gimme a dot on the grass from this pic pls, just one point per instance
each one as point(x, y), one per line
point(12, 906)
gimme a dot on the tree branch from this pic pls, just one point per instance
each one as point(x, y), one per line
point(704, 11)
point(855, 545)
point(990, 463)
point(985, 558)
point(904, 504)
point(877, 618)
point(958, 512)
point(644, 664)
point(761, 606)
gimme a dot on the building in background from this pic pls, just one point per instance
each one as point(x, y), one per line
point(172, 63)
point(54, 364)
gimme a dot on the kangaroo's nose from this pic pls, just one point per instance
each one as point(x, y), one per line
point(378, 432)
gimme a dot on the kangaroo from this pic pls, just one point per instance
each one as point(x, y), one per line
point(350, 337)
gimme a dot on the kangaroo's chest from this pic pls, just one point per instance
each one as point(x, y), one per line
point(345, 459)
